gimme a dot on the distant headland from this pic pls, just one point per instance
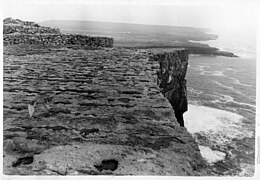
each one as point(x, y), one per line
point(139, 36)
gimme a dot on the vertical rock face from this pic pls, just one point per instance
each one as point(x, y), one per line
point(171, 77)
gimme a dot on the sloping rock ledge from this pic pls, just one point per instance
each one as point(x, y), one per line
point(102, 105)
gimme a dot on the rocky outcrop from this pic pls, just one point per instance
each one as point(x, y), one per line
point(83, 111)
point(96, 112)
point(171, 77)
point(24, 32)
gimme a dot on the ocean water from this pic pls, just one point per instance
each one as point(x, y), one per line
point(221, 114)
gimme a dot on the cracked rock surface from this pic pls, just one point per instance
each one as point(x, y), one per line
point(97, 111)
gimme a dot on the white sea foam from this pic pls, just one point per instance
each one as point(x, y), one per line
point(199, 67)
point(227, 87)
point(194, 91)
point(222, 98)
point(222, 85)
point(245, 104)
point(218, 126)
point(212, 73)
point(211, 155)
point(194, 55)
point(208, 73)
point(236, 81)
point(205, 119)
point(230, 69)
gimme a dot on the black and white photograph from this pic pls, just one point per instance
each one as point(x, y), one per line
point(129, 88)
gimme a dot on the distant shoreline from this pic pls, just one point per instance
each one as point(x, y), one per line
point(209, 51)
point(140, 36)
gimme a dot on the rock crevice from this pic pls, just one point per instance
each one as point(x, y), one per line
point(171, 78)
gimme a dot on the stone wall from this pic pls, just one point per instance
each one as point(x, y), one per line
point(9, 29)
point(25, 32)
point(58, 39)
point(171, 77)
point(26, 27)
point(11, 21)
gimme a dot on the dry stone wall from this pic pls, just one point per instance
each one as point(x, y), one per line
point(25, 32)
point(26, 27)
point(11, 21)
point(9, 29)
point(58, 39)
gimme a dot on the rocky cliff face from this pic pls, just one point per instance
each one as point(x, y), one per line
point(171, 77)
point(95, 111)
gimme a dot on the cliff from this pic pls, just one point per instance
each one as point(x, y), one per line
point(96, 112)
point(171, 78)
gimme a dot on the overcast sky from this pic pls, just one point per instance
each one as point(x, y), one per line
point(220, 16)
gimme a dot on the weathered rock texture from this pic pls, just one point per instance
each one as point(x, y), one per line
point(58, 39)
point(23, 32)
point(26, 27)
point(96, 111)
point(101, 104)
point(171, 76)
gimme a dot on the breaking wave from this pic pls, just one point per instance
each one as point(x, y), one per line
point(217, 126)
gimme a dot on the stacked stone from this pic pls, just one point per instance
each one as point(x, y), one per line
point(26, 27)
point(18, 22)
point(25, 32)
point(58, 39)
point(9, 29)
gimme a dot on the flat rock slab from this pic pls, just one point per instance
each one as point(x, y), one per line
point(96, 111)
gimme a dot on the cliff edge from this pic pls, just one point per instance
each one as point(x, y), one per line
point(171, 78)
point(93, 112)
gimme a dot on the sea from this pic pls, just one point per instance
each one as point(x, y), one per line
point(222, 106)
point(222, 101)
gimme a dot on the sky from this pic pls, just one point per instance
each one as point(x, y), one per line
point(224, 13)
point(228, 17)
